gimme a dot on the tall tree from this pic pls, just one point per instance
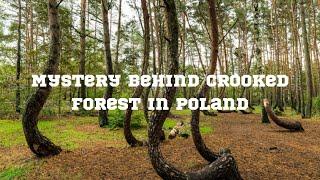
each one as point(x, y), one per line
point(39, 144)
point(103, 115)
point(275, 26)
point(132, 141)
point(258, 56)
point(82, 67)
point(307, 60)
point(315, 45)
point(118, 36)
point(18, 65)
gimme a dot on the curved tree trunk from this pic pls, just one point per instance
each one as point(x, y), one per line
point(292, 126)
point(103, 115)
point(132, 141)
point(224, 167)
point(196, 135)
point(39, 144)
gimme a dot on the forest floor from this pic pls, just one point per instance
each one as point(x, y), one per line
point(261, 151)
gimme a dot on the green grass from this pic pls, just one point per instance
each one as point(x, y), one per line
point(13, 173)
point(66, 132)
point(11, 133)
point(71, 132)
point(169, 124)
point(206, 129)
point(182, 112)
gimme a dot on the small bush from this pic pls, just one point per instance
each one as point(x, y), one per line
point(136, 119)
point(116, 119)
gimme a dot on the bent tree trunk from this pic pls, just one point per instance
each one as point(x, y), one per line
point(224, 167)
point(292, 126)
point(204, 151)
point(39, 144)
point(103, 115)
point(132, 141)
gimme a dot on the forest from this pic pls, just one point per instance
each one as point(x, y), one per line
point(73, 71)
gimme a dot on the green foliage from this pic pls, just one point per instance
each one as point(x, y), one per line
point(137, 119)
point(169, 124)
point(116, 119)
point(316, 104)
point(12, 173)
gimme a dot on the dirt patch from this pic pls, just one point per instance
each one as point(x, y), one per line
point(13, 156)
point(262, 152)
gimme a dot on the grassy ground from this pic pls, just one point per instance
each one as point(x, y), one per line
point(72, 133)
point(87, 146)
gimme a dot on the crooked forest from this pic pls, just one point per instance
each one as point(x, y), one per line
point(276, 137)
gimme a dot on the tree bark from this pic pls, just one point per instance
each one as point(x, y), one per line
point(278, 95)
point(118, 36)
point(82, 67)
point(18, 65)
point(39, 144)
point(196, 135)
point(292, 126)
point(223, 168)
point(316, 49)
point(264, 115)
point(132, 141)
point(307, 60)
point(103, 115)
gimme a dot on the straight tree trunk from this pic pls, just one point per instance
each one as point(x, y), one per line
point(278, 96)
point(103, 115)
point(184, 37)
point(307, 61)
point(18, 65)
point(39, 144)
point(264, 115)
point(316, 48)
point(82, 67)
point(118, 37)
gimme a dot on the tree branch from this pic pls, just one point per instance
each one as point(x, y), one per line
point(59, 3)
point(233, 25)
point(87, 35)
